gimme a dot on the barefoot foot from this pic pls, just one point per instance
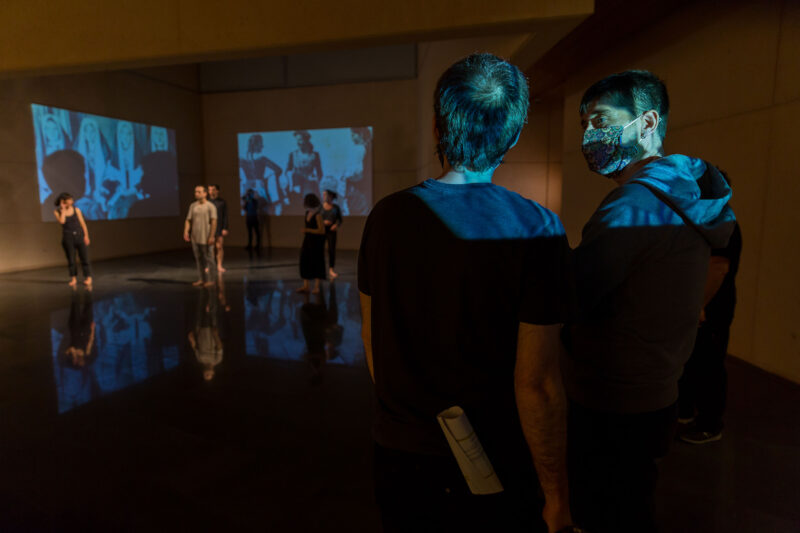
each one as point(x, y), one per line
point(73, 282)
point(198, 283)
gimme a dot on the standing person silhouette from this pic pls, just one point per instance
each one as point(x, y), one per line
point(75, 237)
point(332, 218)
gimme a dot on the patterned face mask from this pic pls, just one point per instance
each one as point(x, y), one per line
point(603, 150)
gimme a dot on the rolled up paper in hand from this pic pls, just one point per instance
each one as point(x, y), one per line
point(472, 459)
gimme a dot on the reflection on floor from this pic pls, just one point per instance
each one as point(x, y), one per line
point(150, 405)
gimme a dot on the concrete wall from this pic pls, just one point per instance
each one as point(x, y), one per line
point(389, 107)
point(734, 83)
point(124, 95)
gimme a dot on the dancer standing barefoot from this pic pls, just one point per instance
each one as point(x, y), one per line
point(332, 217)
point(199, 229)
point(312, 254)
point(75, 236)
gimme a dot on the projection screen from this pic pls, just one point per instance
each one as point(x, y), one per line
point(113, 168)
point(281, 167)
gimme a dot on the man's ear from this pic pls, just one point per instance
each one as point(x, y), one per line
point(650, 122)
point(516, 139)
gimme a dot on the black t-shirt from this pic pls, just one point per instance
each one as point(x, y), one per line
point(451, 271)
point(720, 309)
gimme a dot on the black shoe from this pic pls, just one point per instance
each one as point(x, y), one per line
point(697, 436)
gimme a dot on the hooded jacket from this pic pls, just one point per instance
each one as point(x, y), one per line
point(640, 273)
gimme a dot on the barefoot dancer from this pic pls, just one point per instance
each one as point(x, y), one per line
point(222, 224)
point(199, 229)
point(75, 236)
point(312, 254)
point(332, 217)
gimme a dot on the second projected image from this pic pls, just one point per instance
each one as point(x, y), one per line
point(282, 167)
point(113, 168)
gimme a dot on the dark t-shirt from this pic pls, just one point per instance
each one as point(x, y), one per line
point(719, 310)
point(452, 270)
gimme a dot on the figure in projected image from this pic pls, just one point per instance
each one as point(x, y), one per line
point(312, 254)
point(65, 170)
point(332, 218)
point(199, 229)
point(74, 237)
point(355, 201)
point(129, 173)
point(157, 189)
point(53, 137)
point(204, 338)
point(260, 173)
point(159, 139)
point(101, 182)
point(304, 167)
point(463, 286)
point(222, 224)
point(640, 273)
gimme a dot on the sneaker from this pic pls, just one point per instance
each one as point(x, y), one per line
point(696, 436)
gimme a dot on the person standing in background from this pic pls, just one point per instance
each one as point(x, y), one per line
point(222, 224)
point(250, 206)
point(332, 218)
point(199, 229)
point(312, 254)
point(75, 236)
point(704, 384)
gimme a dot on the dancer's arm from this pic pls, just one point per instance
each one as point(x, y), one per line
point(86, 239)
point(320, 230)
point(61, 216)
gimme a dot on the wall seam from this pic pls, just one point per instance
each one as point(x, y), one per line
point(765, 202)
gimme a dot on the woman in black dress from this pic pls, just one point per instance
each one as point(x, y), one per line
point(312, 254)
point(332, 218)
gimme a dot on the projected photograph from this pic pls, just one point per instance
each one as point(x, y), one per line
point(281, 167)
point(317, 329)
point(113, 168)
point(109, 345)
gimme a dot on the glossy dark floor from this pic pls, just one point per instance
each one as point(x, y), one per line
point(150, 405)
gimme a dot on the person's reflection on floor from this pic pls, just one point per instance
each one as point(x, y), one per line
point(333, 330)
point(204, 338)
point(313, 318)
point(80, 349)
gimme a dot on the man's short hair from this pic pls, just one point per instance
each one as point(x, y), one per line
point(205, 188)
point(636, 91)
point(215, 186)
point(480, 104)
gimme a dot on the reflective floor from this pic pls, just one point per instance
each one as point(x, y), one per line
point(150, 405)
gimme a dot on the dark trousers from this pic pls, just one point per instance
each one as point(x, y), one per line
point(72, 242)
point(331, 236)
point(704, 384)
point(427, 494)
point(612, 467)
point(253, 225)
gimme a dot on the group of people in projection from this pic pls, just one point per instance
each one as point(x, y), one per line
point(283, 190)
point(113, 168)
point(566, 361)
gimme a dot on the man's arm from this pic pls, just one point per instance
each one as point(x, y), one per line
point(718, 268)
point(366, 330)
point(542, 412)
point(186, 227)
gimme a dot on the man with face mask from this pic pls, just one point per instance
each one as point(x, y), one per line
point(640, 273)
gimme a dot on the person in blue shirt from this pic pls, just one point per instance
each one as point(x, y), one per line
point(640, 273)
